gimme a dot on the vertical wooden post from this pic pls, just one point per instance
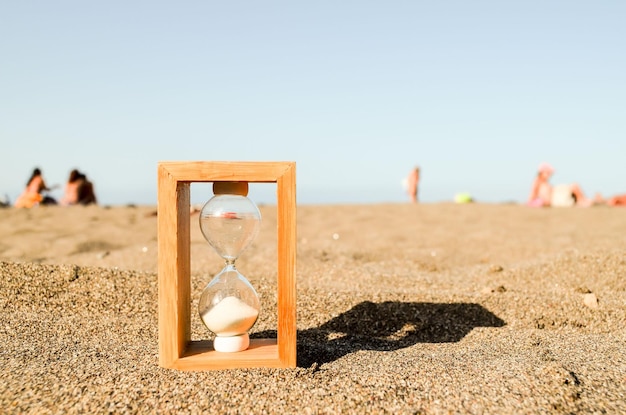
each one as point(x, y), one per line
point(287, 266)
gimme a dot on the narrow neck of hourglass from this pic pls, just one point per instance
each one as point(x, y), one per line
point(229, 263)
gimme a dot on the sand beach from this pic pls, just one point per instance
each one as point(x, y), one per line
point(402, 309)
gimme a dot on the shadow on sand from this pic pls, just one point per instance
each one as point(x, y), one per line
point(388, 326)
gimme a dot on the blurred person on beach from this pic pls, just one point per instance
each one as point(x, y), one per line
point(33, 194)
point(543, 194)
point(412, 184)
point(78, 190)
point(617, 200)
point(70, 196)
point(86, 194)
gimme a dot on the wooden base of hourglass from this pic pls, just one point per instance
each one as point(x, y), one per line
point(176, 350)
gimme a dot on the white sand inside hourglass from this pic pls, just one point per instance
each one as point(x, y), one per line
point(230, 317)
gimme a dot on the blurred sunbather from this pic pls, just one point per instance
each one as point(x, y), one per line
point(544, 194)
point(78, 190)
point(618, 200)
point(71, 189)
point(33, 194)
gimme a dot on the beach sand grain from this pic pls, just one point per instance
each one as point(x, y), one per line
point(431, 308)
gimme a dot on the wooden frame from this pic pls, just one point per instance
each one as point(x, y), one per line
point(176, 350)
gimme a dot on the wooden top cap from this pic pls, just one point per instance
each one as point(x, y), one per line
point(230, 188)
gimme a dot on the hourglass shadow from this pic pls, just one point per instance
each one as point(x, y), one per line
point(389, 326)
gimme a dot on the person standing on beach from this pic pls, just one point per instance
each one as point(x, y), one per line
point(32, 195)
point(413, 184)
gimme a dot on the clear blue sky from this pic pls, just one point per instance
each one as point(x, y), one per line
point(477, 93)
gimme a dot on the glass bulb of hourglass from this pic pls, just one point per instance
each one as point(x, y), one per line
point(229, 305)
point(230, 223)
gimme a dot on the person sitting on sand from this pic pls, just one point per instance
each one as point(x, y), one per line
point(543, 194)
point(32, 195)
point(78, 190)
point(71, 189)
point(86, 194)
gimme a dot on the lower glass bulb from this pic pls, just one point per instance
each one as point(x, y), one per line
point(229, 306)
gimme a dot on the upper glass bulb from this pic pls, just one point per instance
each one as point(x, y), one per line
point(229, 223)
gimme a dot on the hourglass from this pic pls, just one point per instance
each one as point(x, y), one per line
point(229, 305)
point(231, 213)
